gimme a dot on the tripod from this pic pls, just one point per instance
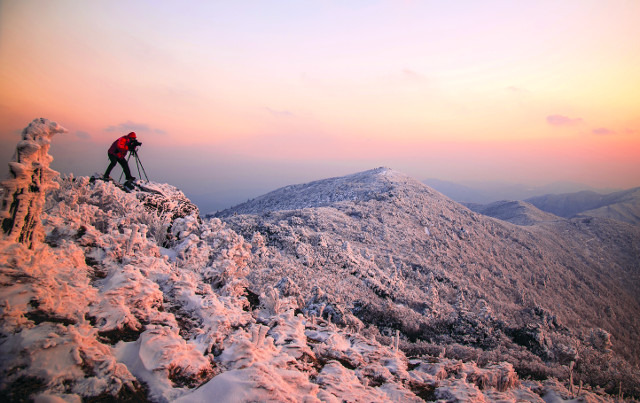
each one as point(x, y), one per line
point(141, 170)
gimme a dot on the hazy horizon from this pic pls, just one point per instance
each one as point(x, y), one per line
point(236, 189)
point(232, 100)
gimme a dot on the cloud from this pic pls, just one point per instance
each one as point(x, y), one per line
point(603, 131)
point(130, 126)
point(559, 120)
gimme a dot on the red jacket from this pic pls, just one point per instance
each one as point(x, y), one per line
point(120, 147)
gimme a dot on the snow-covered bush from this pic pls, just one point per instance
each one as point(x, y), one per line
point(105, 206)
point(600, 339)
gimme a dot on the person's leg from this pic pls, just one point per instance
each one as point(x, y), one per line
point(125, 169)
point(112, 164)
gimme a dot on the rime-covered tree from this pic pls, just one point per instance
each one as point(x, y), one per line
point(30, 178)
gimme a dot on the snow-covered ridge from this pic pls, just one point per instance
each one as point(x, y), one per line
point(131, 296)
point(361, 186)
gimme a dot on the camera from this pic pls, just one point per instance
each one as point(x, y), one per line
point(133, 144)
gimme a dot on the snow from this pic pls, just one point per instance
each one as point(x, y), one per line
point(158, 351)
point(134, 296)
point(233, 386)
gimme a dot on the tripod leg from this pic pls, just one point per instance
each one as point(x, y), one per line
point(122, 173)
point(140, 166)
point(145, 172)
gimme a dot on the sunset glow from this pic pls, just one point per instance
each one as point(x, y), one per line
point(232, 99)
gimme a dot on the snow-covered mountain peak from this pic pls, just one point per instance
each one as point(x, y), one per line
point(358, 187)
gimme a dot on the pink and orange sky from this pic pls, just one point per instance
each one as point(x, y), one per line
point(232, 99)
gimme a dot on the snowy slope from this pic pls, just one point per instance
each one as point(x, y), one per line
point(403, 257)
point(132, 297)
point(356, 187)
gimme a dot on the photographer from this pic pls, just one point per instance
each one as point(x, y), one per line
point(118, 151)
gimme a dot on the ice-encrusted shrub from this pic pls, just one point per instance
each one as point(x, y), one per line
point(142, 298)
point(258, 244)
point(47, 337)
point(104, 205)
point(162, 349)
point(331, 308)
point(600, 339)
point(275, 302)
point(288, 288)
point(229, 258)
point(604, 369)
point(185, 226)
point(217, 253)
point(500, 377)
point(271, 302)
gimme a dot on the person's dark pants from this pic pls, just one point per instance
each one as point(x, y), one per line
point(123, 163)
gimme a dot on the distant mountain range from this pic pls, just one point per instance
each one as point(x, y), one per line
point(489, 192)
point(622, 206)
point(523, 205)
point(515, 212)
